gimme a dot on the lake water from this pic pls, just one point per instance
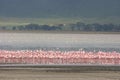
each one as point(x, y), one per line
point(52, 41)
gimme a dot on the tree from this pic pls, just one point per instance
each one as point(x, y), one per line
point(14, 28)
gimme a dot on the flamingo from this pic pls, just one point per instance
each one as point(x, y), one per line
point(58, 57)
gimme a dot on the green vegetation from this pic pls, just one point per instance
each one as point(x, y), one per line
point(79, 26)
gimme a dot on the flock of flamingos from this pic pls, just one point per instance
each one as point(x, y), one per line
point(59, 57)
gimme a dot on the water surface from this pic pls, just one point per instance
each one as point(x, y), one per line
point(48, 41)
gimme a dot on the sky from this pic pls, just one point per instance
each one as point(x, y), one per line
point(59, 8)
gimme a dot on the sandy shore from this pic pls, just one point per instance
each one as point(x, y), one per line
point(41, 74)
point(59, 72)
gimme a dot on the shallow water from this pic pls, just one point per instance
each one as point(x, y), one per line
point(52, 41)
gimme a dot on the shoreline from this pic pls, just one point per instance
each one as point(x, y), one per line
point(60, 68)
point(58, 32)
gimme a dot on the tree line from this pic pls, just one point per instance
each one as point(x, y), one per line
point(69, 27)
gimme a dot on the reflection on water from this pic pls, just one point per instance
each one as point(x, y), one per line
point(48, 41)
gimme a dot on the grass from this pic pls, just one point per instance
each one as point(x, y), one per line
point(12, 21)
point(41, 21)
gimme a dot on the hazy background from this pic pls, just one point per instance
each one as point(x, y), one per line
point(15, 12)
